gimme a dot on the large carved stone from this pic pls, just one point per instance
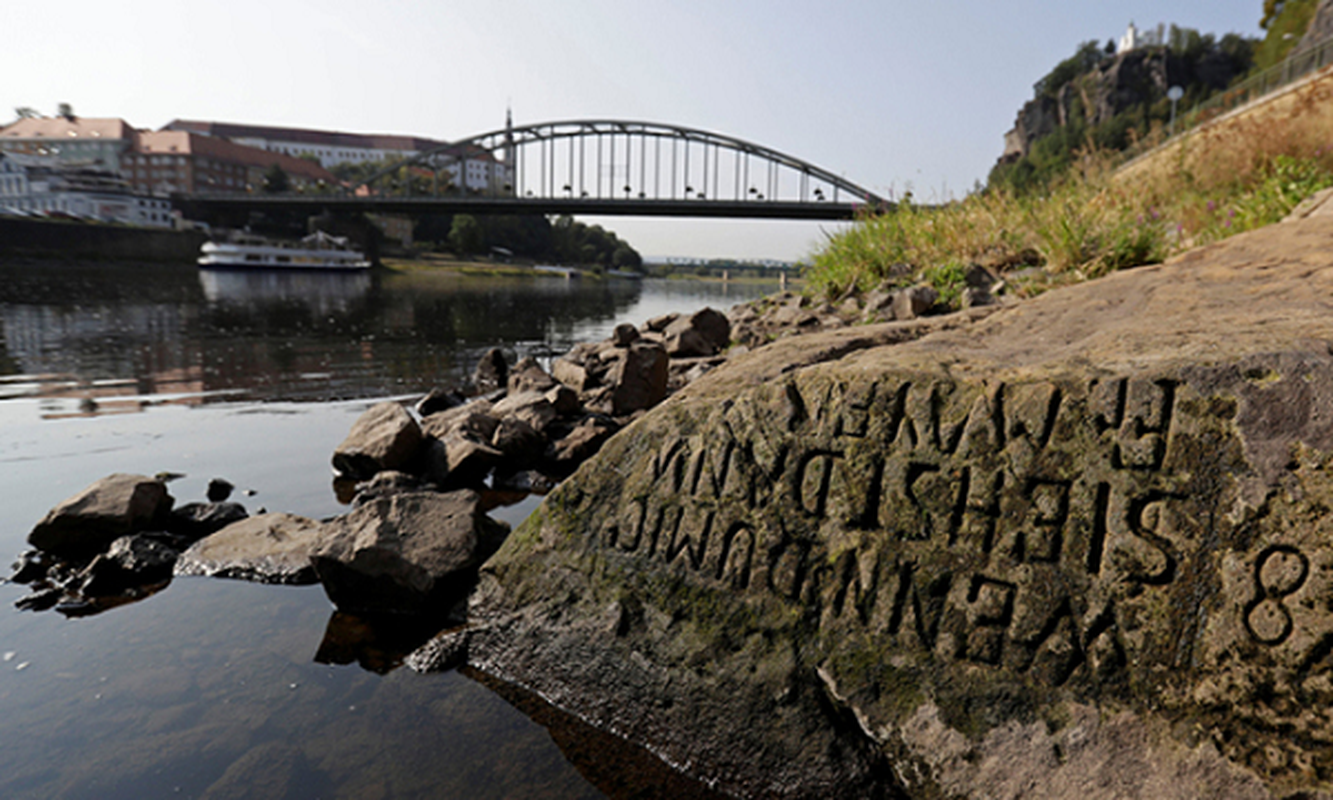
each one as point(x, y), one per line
point(1080, 547)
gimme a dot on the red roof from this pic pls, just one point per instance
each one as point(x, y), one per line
point(192, 143)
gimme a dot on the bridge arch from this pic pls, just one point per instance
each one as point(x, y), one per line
point(608, 159)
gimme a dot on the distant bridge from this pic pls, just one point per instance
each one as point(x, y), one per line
point(585, 167)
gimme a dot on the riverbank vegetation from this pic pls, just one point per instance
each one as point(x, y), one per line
point(1089, 218)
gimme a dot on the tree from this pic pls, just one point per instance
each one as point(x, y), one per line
point(65, 110)
point(25, 112)
point(466, 235)
point(276, 180)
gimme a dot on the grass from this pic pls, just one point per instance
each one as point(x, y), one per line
point(1232, 177)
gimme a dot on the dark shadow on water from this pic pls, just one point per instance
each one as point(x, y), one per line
point(621, 770)
point(377, 643)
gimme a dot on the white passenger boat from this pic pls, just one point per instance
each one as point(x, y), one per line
point(319, 250)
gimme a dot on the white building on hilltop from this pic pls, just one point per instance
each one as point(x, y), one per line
point(1135, 38)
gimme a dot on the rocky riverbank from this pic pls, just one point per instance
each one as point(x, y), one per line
point(1072, 544)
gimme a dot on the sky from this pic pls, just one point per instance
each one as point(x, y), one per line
point(894, 95)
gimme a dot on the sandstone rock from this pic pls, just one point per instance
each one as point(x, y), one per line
point(473, 420)
point(624, 335)
point(196, 520)
point(458, 460)
point(973, 297)
point(581, 443)
point(1079, 546)
point(531, 407)
point(709, 323)
point(386, 484)
point(688, 343)
point(440, 400)
point(640, 380)
point(564, 400)
point(130, 561)
point(573, 374)
point(529, 481)
point(659, 324)
point(267, 548)
point(520, 443)
point(219, 489)
point(914, 301)
point(386, 436)
point(528, 376)
point(492, 372)
point(87, 523)
point(397, 554)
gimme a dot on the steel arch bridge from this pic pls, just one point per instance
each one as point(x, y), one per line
point(602, 164)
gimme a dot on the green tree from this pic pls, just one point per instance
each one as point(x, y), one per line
point(466, 236)
point(276, 180)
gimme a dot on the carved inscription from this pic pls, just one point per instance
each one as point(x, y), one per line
point(1019, 490)
point(1278, 572)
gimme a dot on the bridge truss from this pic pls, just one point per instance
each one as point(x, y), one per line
point(602, 163)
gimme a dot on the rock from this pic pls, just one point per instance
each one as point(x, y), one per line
point(438, 400)
point(640, 380)
point(131, 561)
point(472, 421)
point(572, 374)
point(528, 376)
point(581, 443)
point(492, 372)
point(386, 484)
point(709, 323)
point(564, 400)
point(914, 301)
point(30, 566)
point(1079, 545)
point(978, 277)
point(457, 460)
point(529, 481)
point(688, 343)
point(659, 324)
point(385, 437)
point(531, 407)
point(397, 554)
point(624, 335)
point(219, 489)
point(973, 297)
point(87, 523)
point(40, 600)
point(196, 520)
point(520, 443)
point(267, 548)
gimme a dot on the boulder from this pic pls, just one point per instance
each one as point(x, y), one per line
point(688, 343)
point(581, 443)
point(913, 301)
point(1077, 546)
point(624, 335)
point(219, 489)
point(528, 376)
point(196, 520)
point(639, 381)
point(87, 523)
point(439, 400)
point(711, 325)
point(659, 324)
point(267, 548)
point(130, 562)
point(386, 484)
point(386, 436)
point(520, 443)
point(458, 460)
point(397, 554)
point(573, 374)
point(492, 372)
point(564, 400)
point(531, 407)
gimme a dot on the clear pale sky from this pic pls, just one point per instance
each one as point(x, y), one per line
point(893, 94)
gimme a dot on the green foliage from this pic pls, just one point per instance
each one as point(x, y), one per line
point(1088, 56)
point(276, 180)
point(466, 236)
point(948, 279)
point(1287, 181)
point(1286, 22)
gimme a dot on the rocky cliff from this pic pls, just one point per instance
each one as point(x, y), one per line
point(1079, 546)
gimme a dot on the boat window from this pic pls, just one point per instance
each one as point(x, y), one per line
point(253, 257)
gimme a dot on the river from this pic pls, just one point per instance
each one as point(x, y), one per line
point(215, 688)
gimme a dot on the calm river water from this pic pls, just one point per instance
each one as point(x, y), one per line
point(215, 688)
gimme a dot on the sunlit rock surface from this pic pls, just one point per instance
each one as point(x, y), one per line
point(1078, 547)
